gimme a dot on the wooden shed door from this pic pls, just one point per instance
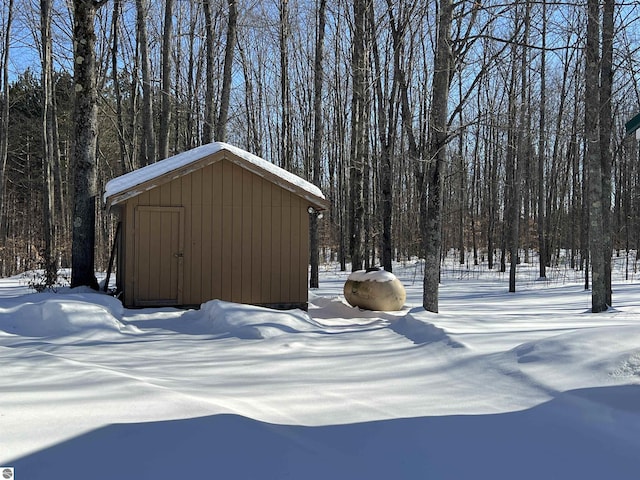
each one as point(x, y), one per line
point(159, 247)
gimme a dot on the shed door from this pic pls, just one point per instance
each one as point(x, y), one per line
point(159, 247)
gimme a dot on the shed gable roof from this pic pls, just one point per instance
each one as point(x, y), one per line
point(146, 178)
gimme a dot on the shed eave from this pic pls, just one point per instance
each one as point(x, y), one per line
point(247, 161)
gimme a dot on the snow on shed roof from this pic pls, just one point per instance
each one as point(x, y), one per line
point(133, 183)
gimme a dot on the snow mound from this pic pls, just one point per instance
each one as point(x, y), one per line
point(54, 315)
point(251, 322)
point(421, 332)
point(611, 356)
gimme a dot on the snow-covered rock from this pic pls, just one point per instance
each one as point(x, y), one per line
point(375, 290)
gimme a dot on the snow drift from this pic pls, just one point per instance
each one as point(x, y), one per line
point(540, 389)
point(53, 315)
point(247, 321)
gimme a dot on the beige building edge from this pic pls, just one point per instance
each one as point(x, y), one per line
point(218, 227)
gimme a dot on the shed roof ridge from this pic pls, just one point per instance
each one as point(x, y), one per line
point(181, 160)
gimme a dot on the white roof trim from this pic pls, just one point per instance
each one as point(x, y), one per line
point(147, 174)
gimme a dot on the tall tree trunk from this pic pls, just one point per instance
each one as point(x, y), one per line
point(48, 144)
point(606, 127)
point(125, 159)
point(522, 136)
point(4, 120)
point(84, 151)
point(148, 147)
point(208, 126)
point(165, 82)
point(542, 243)
point(461, 176)
point(593, 159)
point(492, 159)
point(225, 94)
point(387, 108)
point(286, 139)
point(318, 133)
point(436, 157)
point(511, 194)
point(358, 135)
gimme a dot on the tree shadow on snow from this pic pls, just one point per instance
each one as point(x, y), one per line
point(586, 434)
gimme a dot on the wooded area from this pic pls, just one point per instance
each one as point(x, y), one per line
point(486, 128)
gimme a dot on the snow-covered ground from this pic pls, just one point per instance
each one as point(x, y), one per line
point(498, 386)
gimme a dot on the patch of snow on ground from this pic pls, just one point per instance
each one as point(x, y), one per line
point(497, 385)
point(247, 321)
point(53, 315)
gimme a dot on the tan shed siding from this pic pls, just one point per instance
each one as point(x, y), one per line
point(289, 253)
point(153, 196)
point(226, 214)
point(158, 239)
point(257, 253)
point(196, 236)
point(207, 205)
point(267, 238)
point(295, 273)
point(303, 215)
point(238, 266)
point(217, 252)
point(185, 194)
point(245, 238)
point(129, 243)
point(276, 242)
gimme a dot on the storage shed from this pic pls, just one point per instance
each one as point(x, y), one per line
point(214, 222)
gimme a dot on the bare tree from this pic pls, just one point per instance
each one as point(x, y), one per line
point(318, 133)
point(165, 79)
point(4, 117)
point(286, 135)
point(225, 94)
point(48, 143)
point(359, 137)
point(606, 126)
point(209, 99)
point(436, 157)
point(387, 107)
point(148, 145)
point(84, 151)
point(593, 159)
point(125, 155)
point(542, 243)
point(516, 147)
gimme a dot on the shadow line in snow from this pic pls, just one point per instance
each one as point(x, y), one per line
point(586, 434)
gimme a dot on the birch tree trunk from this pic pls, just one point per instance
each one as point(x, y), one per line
point(436, 158)
point(84, 151)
